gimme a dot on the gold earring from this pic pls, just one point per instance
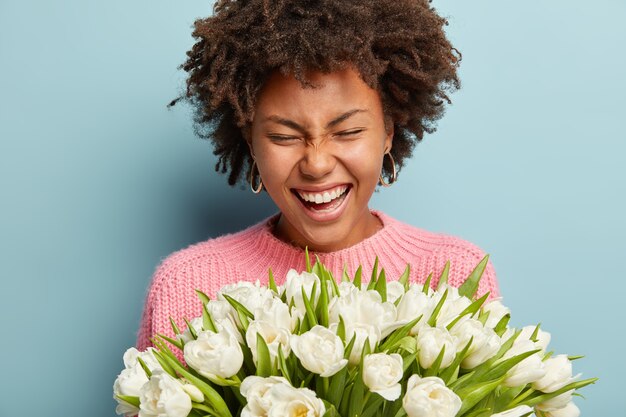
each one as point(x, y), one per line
point(393, 174)
point(259, 187)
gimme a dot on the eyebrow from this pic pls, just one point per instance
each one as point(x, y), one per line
point(332, 123)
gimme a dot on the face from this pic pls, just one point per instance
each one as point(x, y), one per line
point(319, 152)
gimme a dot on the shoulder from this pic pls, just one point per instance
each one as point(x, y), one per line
point(429, 241)
point(429, 251)
point(205, 263)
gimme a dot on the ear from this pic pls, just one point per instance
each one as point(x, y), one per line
point(389, 136)
point(246, 132)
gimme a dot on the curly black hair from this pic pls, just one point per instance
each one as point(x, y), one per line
point(398, 46)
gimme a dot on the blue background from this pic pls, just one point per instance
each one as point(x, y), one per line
point(99, 181)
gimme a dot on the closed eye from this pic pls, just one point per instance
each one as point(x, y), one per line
point(281, 138)
point(350, 132)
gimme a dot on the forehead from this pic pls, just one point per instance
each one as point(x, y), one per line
point(333, 93)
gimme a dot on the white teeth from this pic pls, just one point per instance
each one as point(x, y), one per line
point(325, 197)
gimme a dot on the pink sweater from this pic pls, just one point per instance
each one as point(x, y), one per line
point(247, 255)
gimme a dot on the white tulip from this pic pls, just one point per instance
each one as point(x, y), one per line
point(543, 338)
point(496, 311)
point(514, 412)
point(395, 290)
point(452, 306)
point(162, 396)
point(255, 390)
point(430, 341)
point(558, 374)
point(132, 378)
point(364, 308)
point(251, 295)
point(319, 350)
point(485, 342)
point(225, 317)
point(186, 336)
point(529, 370)
point(570, 410)
point(214, 354)
point(294, 284)
point(556, 403)
point(288, 401)
point(346, 287)
point(194, 392)
point(277, 313)
point(360, 333)
point(414, 303)
point(382, 374)
point(274, 337)
point(429, 397)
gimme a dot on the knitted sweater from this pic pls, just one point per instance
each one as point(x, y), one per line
point(248, 254)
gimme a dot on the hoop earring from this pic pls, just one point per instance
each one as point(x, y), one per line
point(259, 186)
point(394, 174)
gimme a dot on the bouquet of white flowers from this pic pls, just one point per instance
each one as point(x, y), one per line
point(313, 347)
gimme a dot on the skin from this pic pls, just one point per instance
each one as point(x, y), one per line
point(312, 139)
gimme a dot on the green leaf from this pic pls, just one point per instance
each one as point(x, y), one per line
point(501, 367)
point(502, 324)
point(535, 334)
point(193, 332)
point(443, 278)
point(272, 282)
point(177, 343)
point(356, 396)
point(470, 309)
point(481, 412)
point(573, 358)
point(451, 370)
point(322, 305)
point(203, 297)
point(381, 285)
point(134, 401)
point(344, 276)
point(310, 313)
point(174, 326)
point(307, 259)
point(472, 394)
point(434, 368)
point(207, 320)
point(263, 360)
point(426, 287)
point(282, 365)
point(469, 287)
point(433, 317)
point(541, 397)
point(341, 330)
point(242, 312)
point(331, 411)
point(145, 367)
point(337, 384)
point(372, 282)
point(398, 334)
point(372, 406)
point(357, 277)
point(348, 350)
point(212, 396)
point(404, 278)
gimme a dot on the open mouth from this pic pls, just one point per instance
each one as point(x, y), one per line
point(322, 202)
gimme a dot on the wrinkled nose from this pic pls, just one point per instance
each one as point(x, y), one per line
point(317, 162)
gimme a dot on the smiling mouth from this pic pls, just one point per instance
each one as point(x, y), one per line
point(325, 201)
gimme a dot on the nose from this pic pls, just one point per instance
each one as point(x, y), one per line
point(317, 162)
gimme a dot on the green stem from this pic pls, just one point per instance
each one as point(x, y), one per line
point(521, 397)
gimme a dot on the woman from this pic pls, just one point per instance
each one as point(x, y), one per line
point(318, 102)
